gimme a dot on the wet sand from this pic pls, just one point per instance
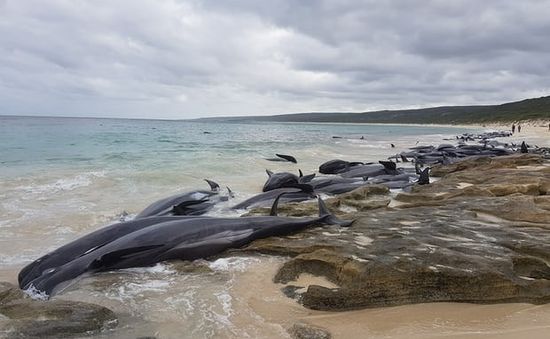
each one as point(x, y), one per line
point(255, 290)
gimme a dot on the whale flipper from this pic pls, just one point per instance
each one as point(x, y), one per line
point(107, 260)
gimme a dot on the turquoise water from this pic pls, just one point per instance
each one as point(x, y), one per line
point(61, 178)
point(29, 144)
point(71, 175)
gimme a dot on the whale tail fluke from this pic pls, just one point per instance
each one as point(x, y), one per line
point(329, 218)
point(424, 177)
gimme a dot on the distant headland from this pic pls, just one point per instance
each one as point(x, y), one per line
point(524, 110)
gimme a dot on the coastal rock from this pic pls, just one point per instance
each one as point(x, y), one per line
point(197, 266)
point(305, 331)
point(24, 317)
point(487, 163)
point(9, 292)
point(55, 318)
point(480, 234)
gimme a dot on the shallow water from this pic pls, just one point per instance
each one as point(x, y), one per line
point(61, 178)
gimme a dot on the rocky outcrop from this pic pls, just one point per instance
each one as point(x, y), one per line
point(480, 234)
point(302, 330)
point(28, 318)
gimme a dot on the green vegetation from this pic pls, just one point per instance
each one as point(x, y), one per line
point(529, 109)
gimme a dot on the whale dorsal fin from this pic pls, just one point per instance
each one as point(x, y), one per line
point(230, 192)
point(213, 185)
point(269, 173)
point(306, 178)
point(273, 211)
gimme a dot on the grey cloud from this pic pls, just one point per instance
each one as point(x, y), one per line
point(182, 59)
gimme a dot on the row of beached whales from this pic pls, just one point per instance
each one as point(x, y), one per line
point(175, 227)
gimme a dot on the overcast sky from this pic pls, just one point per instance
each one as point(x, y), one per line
point(186, 59)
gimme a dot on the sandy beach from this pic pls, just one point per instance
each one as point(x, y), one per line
point(430, 320)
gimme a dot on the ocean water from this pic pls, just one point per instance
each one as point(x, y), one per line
point(61, 178)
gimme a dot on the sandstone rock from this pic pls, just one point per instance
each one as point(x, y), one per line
point(191, 266)
point(487, 162)
point(480, 234)
point(305, 331)
point(52, 319)
point(9, 292)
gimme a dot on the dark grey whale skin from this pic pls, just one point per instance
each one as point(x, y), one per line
point(165, 206)
point(79, 247)
point(267, 198)
point(280, 180)
point(336, 166)
point(186, 239)
point(285, 179)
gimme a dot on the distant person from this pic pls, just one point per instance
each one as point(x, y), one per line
point(513, 128)
point(519, 128)
point(392, 145)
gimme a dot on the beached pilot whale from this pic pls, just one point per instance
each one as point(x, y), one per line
point(285, 179)
point(188, 203)
point(336, 166)
point(86, 244)
point(187, 239)
point(283, 157)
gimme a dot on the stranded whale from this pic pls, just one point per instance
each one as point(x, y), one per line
point(189, 203)
point(187, 239)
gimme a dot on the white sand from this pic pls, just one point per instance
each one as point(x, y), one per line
point(435, 320)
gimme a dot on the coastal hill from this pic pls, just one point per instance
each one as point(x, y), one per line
point(529, 109)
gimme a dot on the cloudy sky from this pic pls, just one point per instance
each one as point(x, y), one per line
point(186, 59)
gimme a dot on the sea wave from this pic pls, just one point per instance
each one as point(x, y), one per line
point(64, 184)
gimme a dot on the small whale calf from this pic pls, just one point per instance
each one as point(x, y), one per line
point(188, 203)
